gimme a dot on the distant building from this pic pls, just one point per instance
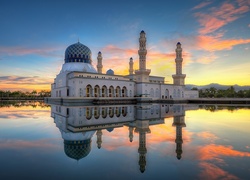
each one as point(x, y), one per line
point(79, 79)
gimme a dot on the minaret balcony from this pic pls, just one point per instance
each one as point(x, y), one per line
point(143, 71)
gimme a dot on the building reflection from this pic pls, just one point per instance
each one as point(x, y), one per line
point(78, 124)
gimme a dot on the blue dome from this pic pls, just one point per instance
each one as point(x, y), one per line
point(110, 129)
point(110, 72)
point(77, 149)
point(78, 53)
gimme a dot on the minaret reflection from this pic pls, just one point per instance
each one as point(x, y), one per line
point(142, 127)
point(131, 135)
point(179, 122)
point(99, 138)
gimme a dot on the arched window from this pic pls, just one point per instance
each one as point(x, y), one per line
point(117, 91)
point(118, 111)
point(104, 91)
point(88, 113)
point(97, 112)
point(124, 91)
point(124, 111)
point(111, 112)
point(104, 112)
point(88, 90)
point(111, 91)
point(97, 91)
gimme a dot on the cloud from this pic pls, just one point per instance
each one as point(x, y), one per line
point(23, 80)
point(21, 51)
point(24, 83)
point(201, 5)
point(219, 17)
point(206, 58)
point(210, 171)
point(248, 25)
point(45, 144)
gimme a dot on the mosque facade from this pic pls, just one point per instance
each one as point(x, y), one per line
point(79, 79)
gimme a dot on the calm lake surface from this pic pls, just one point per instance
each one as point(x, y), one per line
point(157, 141)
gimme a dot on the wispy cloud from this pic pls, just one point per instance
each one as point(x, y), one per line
point(23, 83)
point(201, 5)
point(218, 17)
point(21, 51)
point(23, 80)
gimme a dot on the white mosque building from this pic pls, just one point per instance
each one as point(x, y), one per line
point(78, 79)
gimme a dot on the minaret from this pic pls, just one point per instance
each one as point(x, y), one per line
point(178, 77)
point(179, 122)
point(99, 138)
point(143, 73)
point(99, 63)
point(142, 51)
point(131, 66)
point(131, 129)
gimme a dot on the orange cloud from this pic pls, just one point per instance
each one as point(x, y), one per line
point(25, 83)
point(218, 17)
point(215, 43)
point(210, 171)
point(213, 152)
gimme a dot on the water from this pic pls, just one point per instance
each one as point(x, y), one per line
point(124, 142)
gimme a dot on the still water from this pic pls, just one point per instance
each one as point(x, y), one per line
point(157, 141)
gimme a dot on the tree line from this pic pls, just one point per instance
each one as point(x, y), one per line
point(212, 92)
point(34, 93)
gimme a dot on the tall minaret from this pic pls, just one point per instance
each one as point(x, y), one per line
point(143, 73)
point(131, 66)
point(99, 63)
point(178, 77)
point(142, 51)
point(179, 122)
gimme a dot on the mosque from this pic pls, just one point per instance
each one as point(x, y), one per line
point(78, 79)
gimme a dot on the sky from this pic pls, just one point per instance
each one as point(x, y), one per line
point(215, 37)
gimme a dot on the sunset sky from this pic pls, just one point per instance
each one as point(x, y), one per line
point(215, 37)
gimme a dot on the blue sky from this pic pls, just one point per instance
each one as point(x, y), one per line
point(215, 37)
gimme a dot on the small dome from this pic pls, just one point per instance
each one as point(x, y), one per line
point(110, 129)
point(178, 43)
point(77, 149)
point(142, 31)
point(110, 72)
point(77, 53)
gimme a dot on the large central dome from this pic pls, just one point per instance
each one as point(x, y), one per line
point(78, 58)
point(78, 53)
